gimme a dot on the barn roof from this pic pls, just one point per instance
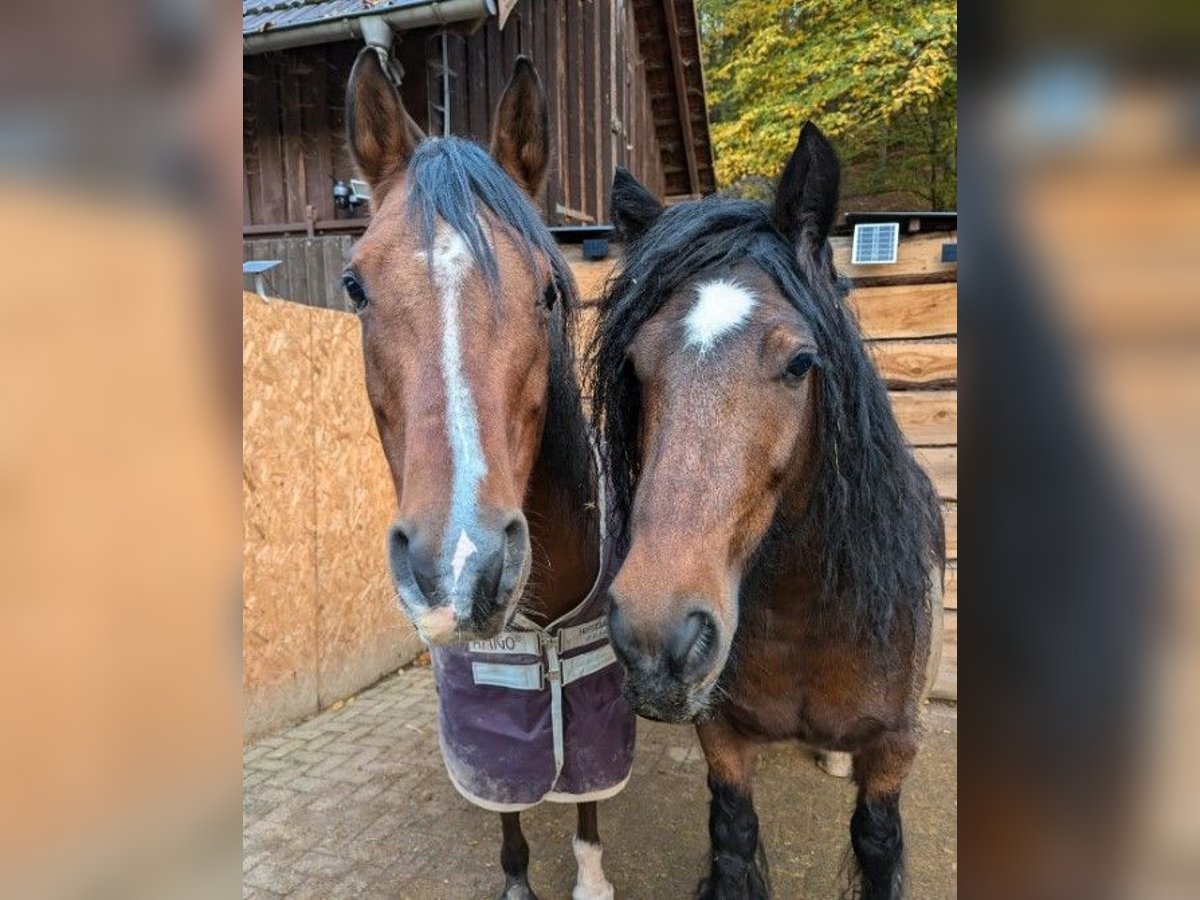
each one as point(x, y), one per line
point(670, 44)
point(264, 15)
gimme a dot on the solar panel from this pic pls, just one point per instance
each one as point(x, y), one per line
point(875, 243)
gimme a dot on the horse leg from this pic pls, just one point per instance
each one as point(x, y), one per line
point(590, 883)
point(739, 865)
point(514, 859)
point(875, 831)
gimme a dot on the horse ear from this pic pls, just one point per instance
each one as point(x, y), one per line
point(381, 134)
point(807, 195)
point(632, 207)
point(521, 140)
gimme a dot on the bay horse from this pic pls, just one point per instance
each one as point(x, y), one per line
point(467, 310)
point(782, 548)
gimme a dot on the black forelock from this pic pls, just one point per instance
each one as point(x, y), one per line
point(873, 519)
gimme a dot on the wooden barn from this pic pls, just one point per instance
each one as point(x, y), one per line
point(623, 78)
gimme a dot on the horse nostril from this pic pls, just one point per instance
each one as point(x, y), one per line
point(620, 635)
point(410, 567)
point(692, 649)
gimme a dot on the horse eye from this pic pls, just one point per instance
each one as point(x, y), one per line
point(355, 289)
point(550, 295)
point(799, 365)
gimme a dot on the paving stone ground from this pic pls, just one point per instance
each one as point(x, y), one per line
point(355, 803)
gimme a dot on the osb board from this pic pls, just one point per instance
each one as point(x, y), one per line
point(362, 633)
point(279, 624)
point(916, 364)
point(907, 311)
point(927, 418)
point(318, 616)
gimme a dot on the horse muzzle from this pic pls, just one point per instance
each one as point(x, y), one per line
point(463, 591)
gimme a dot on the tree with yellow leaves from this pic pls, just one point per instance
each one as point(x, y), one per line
point(879, 78)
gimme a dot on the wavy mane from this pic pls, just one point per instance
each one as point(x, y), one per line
point(873, 519)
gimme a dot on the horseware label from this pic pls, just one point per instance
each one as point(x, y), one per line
point(514, 642)
point(581, 635)
point(507, 675)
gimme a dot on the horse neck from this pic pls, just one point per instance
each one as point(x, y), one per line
point(561, 508)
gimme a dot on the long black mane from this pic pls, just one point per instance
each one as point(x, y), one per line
point(872, 521)
point(454, 180)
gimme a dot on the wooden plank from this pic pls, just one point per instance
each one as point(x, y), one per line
point(950, 515)
point(605, 111)
point(272, 205)
point(572, 87)
point(295, 182)
point(589, 112)
point(252, 68)
point(907, 311)
point(941, 463)
point(918, 260)
point(456, 52)
point(334, 257)
point(927, 418)
point(685, 115)
point(945, 687)
point(314, 272)
point(546, 35)
point(318, 155)
point(916, 364)
point(497, 77)
point(950, 587)
point(476, 85)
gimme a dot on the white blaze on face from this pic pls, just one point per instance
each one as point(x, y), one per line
point(462, 552)
point(721, 306)
point(451, 264)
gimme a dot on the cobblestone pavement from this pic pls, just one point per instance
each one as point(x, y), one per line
point(355, 803)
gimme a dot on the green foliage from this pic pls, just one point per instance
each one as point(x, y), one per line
point(879, 78)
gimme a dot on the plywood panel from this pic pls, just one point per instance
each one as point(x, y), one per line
point(916, 364)
point(927, 418)
point(950, 587)
point(918, 258)
point(279, 641)
point(907, 311)
point(361, 632)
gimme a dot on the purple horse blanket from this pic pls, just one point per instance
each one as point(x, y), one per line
point(536, 713)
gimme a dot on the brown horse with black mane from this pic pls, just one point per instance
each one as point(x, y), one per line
point(466, 307)
point(782, 548)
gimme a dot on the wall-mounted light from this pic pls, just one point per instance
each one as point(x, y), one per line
point(350, 196)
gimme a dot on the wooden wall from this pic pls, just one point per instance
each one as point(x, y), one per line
point(589, 58)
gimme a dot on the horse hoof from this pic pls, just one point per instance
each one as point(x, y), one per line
point(592, 892)
point(839, 765)
point(518, 890)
